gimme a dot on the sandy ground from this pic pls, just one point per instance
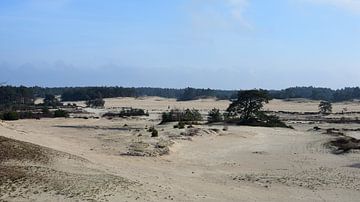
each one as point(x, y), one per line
point(86, 159)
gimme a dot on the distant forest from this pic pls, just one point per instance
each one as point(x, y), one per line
point(10, 95)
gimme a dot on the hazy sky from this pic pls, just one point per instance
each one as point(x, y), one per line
point(227, 44)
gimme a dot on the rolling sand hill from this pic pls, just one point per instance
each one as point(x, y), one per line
point(117, 160)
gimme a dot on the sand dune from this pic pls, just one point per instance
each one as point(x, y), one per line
point(83, 159)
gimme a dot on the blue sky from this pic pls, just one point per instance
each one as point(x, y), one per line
point(227, 44)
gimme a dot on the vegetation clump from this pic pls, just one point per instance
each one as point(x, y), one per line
point(10, 116)
point(180, 125)
point(325, 107)
point(189, 116)
point(61, 113)
point(214, 116)
point(127, 112)
point(50, 100)
point(344, 144)
point(153, 131)
point(95, 103)
point(247, 110)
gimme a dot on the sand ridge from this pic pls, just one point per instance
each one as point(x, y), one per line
point(240, 164)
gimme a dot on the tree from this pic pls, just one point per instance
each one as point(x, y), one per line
point(10, 116)
point(214, 115)
point(50, 100)
point(325, 107)
point(95, 103)
point(248, 104)
point(61, 113)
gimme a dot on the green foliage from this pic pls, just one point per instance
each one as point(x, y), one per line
point(127, 112)
point(12, 98)
point(99, 102)
point(246, 110)
point(188, 115)
point(10, 116)
point(50, 100)
point(214, 116)
point(325, 107)
point(153, 131)
point(27, 115)
point(193, 94)
point(180, 125)
point(61, 113)
point(92, 93)
point(248, 104)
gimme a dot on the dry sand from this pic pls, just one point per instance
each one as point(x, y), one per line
point(86, 159)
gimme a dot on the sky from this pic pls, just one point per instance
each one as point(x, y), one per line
point(222, 44)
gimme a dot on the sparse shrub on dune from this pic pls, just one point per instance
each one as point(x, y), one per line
point(214, 116)
point(153, 131)
point(188, 116)
point(95, 103)
point(10, 116)
point(325, 107)
point(127, 112)
point(181, 125)
point(61, 113)
point(247, 110)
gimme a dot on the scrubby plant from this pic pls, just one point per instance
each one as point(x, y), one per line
point(10, 116)
point(153, 131)
point(61, 113)
point(26, 115)
point(188, 116)
point(325, 107)
point(181, 125)
point(99, 102)
point(127, 112)
point(247, 110)
point(50, 100)
point(214, 116)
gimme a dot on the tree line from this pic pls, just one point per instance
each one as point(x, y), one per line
point(11, 95)
point(314, 93)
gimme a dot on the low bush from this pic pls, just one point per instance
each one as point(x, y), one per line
point(186, 116)
point(95, 103)
point(180, 125)
point(214, 116)
point(262, 120)
point(127, 112)
point(10, 116)
point(153, 131)
point(61, 113)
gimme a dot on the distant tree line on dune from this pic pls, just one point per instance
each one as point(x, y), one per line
point(160, 92)
point(18, 96)
point(15, 96)
point(92, 93)
point(193, 94)
point(317, 93)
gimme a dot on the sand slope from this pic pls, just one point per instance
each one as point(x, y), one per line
point(86, 161)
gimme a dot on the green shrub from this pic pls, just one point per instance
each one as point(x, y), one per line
point(153, 131)
point(184, 116)
point(214, 116)
point(127, 112)
point(10, 116)
point(181, 125)
point(61, 113)
point(95, 103)
point(26, 115)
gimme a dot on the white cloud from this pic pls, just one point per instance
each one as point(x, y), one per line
point(237, 9)
point(351, 5)
point(220, 13)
